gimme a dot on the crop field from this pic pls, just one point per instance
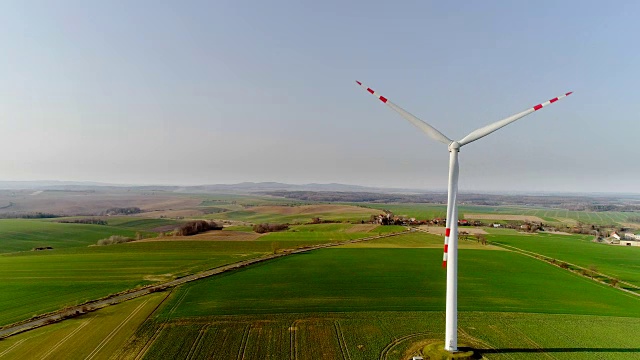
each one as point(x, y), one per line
point(389, 279)
point(298, 213)
point(23, 235)
point(72, 203)
point(322, 233)
point(35, 283)
point(430, 211)
point(139, 224)
point(376, 303)
point(620, 262)
point(43, 281)
point(95, 335)
point(384, 335)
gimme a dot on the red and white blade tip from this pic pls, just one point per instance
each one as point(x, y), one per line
point(541, 105)
point(370, 90)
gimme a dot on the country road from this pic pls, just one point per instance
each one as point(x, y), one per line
point(16, 328)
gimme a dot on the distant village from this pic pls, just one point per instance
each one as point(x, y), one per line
point(621, 236)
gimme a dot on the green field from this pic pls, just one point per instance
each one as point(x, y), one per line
point(379, 279)
point(384, 335)
point(430, 211)
point(370, 303)
point(620, 262)
point(46, 281)
point(95, 335)
point(255, 215)
point(23, 235)
point(43, 281)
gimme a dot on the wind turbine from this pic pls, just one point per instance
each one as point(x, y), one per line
point(450, 257)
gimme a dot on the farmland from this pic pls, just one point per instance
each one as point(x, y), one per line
point(95, 335)
point(352, 303)
point(43, 281)
point(431, 211)
point(299, 213)
point(372, 300)
point(385, 335)
point(616, 261)
point(23, 235)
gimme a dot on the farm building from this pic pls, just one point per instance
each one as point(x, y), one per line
point(629, 243)
point(615, 235)
point(631, 236)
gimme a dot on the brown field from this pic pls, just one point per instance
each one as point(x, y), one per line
point(439, 230)
point(361, 228)
point(171, 214)
point(88, 202)
point(313, 209)
point(215, 235)
point(502, 217)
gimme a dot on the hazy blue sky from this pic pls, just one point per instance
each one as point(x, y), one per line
point(190, 92)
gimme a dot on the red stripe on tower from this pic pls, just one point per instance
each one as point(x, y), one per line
point(444, 264)
point(447, 232)
point(537, 107)
point(446, 248)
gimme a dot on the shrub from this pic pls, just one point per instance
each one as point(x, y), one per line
point(196, 227)
point(114, 239)
point(265, 228)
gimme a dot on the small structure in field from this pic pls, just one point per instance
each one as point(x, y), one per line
point(42, 248)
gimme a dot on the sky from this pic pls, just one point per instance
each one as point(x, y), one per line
point(208, 92)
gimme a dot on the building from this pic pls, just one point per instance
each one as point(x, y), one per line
point(631, 236)
point(615, 235)
point(629, 243)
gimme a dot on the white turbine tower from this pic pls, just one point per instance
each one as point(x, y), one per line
point(450, 258)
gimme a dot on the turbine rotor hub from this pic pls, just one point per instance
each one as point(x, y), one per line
point(454, 146)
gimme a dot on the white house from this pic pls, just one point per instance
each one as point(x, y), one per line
point(615, 235)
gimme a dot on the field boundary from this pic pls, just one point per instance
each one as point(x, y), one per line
point(93, 305)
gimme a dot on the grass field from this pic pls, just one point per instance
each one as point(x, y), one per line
point(620, 262)
point(376, 303)
point(46, 281)
point(384, 335)
point(95, 335)
point(430, 211)
point(23, 235)
point(409, 279)
point(38, 282)
point(298, 214)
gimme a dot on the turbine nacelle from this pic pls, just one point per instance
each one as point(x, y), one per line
point(454, 146)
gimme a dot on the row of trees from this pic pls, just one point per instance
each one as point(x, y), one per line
point(84, 221)
point(122, 211)
point(196, 227)
point(265, 228)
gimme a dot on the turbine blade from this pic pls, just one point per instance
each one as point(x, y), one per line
point(484, 131)
point(426, 128)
